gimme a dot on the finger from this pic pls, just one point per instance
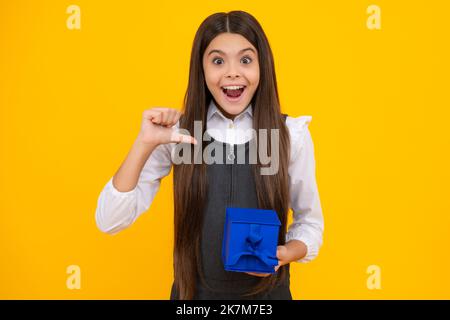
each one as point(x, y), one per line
point(157, 119)
point(158, 115)
point(176, 137)
point(162, 114)
point(173, 121)
point(151, 114)
point(259, 274)
point(279, 251)
point(263, 274)
point(172, 118)
point(282, 252)
point(170, 115)
point(166, 117)
point(177, 116)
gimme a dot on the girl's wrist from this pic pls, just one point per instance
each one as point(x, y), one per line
point(143, 149)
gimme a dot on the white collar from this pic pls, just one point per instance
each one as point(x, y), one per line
point(212, 109)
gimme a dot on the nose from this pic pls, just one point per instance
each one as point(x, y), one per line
point(232, 71)
point(232, 76)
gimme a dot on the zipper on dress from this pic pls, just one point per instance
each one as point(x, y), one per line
point(231, 179)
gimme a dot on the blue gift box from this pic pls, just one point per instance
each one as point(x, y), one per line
point(250, 240)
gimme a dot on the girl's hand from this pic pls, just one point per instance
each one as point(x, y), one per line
point(157, 128)
point(283, 258)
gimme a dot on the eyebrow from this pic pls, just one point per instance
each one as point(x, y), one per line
point(221, 52)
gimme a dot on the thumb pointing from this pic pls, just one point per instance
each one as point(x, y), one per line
point(183, 138)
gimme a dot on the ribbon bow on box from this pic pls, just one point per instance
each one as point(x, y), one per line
point(252, 248)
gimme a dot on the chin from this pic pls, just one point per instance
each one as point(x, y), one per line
point(234, 110)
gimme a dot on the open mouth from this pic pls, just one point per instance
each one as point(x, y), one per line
point(233, 92)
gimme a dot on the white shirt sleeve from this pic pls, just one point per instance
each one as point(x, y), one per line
point(117, 210)
point(308, 224)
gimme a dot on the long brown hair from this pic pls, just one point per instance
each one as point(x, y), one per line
point(190, 183)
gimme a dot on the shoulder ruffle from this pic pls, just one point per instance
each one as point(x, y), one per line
point(298, 127)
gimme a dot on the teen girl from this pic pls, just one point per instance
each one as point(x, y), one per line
point(232, 87)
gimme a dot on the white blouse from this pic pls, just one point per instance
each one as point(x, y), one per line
point(118, 210)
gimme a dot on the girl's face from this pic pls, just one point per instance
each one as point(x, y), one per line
point(231, 67)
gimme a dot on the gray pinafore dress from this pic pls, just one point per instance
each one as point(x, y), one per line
point(230, 184)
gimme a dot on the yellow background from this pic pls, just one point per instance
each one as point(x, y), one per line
point(71, 104)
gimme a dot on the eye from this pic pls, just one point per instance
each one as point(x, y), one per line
point(246, 60)
point(217, 61)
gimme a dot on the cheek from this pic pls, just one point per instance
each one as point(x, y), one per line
point(212, 79)
point(253, 76)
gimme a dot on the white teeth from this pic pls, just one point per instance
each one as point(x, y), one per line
point(233, 87)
